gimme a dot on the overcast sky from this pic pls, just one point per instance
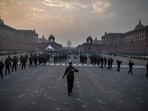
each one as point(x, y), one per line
point(74, 20)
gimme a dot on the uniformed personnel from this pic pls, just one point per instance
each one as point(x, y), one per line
point(69, 72)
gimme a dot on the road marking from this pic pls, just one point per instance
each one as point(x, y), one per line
point(79, 64)
point(85, 64)
point(52, 64)
point(90, 65)
point(63, 64)
point(57, 64)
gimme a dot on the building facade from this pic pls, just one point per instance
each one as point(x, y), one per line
point(134, 42)
point(13, 39)
point(68, 44)
point(138, 36)
point(112, 38)
point(8, 33)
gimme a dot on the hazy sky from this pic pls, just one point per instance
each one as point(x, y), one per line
point(74, 20)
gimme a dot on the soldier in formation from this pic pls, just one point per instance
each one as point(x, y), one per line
point(14, 63)
point(118, 65)
point(60, 57)
point(31, 61)
point(1, 69)
point(7, 65)
point(109, 64)
point(83, 59)
point(130, 67)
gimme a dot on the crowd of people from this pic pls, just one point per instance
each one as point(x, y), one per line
point(33, 60)
point(11, 64)
point(98, 60)
point(101, 61)
point(60, 57)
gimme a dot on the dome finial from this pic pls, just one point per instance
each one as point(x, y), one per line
point(139, 21)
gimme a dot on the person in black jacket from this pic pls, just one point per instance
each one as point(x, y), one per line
point(130, 67)
point(118, 65)
point(1, 69)
point(147, 69)
point(69, 72)
point(7, 66)
point(24, 61)
point(14, 63)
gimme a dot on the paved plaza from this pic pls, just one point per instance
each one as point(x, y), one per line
point(42, 88)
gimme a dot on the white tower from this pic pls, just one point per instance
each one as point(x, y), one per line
point(69, 43)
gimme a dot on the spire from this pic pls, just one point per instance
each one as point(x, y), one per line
point(139, 21)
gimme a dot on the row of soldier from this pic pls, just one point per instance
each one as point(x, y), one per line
point(12, 62)
point(97, 60)
point(60, 57)
point(105, 62)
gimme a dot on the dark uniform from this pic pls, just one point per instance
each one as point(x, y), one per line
point(23, 62)
point(1, 69)
point(105, 61)
point(147, 69)
point(130, 67)
point(35, 61)
point(109, 64)
point(70, 77)
point(118, 65)
point(101, 60)
point(14, 63)
point(7, 66)
point(30, 61)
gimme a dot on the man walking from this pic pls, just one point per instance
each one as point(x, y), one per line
point(130, 67)
point(69, 72)
point(14, 63)
point(7, 66)
point(118, 65)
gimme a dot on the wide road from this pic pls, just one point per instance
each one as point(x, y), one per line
point(42, 88)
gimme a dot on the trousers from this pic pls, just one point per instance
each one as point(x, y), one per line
point(70, 81)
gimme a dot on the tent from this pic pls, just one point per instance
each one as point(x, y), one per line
point(50, 47)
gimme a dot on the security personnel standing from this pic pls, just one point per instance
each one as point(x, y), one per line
point(1, 69)
point(70, 77)
point(147, 69)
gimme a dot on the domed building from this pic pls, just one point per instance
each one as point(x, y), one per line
point(51, 38)
point(53, 43)
point(69, 44)
point(89, 40)
point(139, 26)
point(138, 36)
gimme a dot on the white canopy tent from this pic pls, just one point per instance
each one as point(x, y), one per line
point(50, 47)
